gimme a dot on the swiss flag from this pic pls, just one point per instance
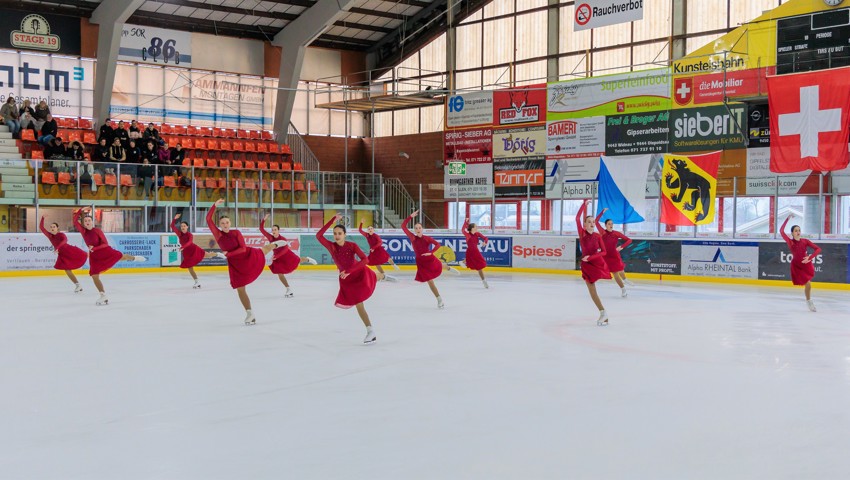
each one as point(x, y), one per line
point(809, 120)
point(683, 90)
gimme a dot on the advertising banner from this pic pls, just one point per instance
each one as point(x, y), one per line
point(600, 13)
point(830, 265)
point(761, 181)
point(156, 46)
point(171, 256)
point(653, 256)
point(713, 88)
point(66, 84)
point(758, 126)
point(32, 251)
point(310, 246)
point(519, 142)
point(546, 252)
point(582, 137)
point(720, 259)
point(514, 176)
point(638, 134)
point(469, 109)
point(633, 92)
point(708, 128)
point(474, 148)
point(147, 246)
point(515, 106)
point(33, 30)
point(571, 177)
point(497, 253)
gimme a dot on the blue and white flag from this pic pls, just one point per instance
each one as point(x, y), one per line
point(622, 187)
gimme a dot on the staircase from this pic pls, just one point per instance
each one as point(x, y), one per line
point(398, 204)
point(301, 153)
point(16, 181)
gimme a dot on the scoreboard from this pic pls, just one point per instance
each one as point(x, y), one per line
point(815, 41)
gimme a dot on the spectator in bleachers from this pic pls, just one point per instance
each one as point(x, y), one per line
point(121, 134)
point(48, 130)
point(55, 149)
point(105, 132)
point(135, 130)
point(185, 177)
point(40, 115)
point(145, 173)
point(116, 155)
point(75, 151)
point(150, 152)
point(178, 154)
point(26, 114)
point(134, 153)
point(151, 132)
point(11, 117)
point(164, 153)
point(100, 153)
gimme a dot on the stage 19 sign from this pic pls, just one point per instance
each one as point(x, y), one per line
point(457, 168)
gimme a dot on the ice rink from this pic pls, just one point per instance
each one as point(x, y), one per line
point(690, 381)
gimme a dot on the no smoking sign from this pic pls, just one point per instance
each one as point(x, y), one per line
point(583, 14)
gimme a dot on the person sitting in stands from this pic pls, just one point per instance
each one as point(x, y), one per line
point(134, 153)
point(178, 154)
point(151, 132)
point(10, 115)
point(48, 130)
point(135, 130)
point(117, 152)
point(27, 115)
point(121, 134)
point(145, 174)
point(100, 154)
point(106, 132)
point(164, 153)
point(55, 149)
point(76, 151)
point(40, 115)
point(150, 153)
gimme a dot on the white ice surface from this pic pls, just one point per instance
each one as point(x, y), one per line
point(690, 381)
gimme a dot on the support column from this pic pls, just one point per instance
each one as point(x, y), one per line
point(451, 47)
point(110, 17)
point(552, 41)
point(678, 47)
point(293, 40)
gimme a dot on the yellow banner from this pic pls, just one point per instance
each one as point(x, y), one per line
point(689, 189)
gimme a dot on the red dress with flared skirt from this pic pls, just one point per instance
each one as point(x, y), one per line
point(612, 257)
point(244, 264)
point(68, 257)
point(595, 268)
point(428, 267)
point(102, 257)
point(801, 273)
point(359, 285)
point(377, 253)
point(284, 260)
point(192, 254)
point(474, 260)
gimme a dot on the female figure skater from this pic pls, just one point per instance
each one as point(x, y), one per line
point(474, 260)
point(284, 260)
point(244, 264)
point(610, 238)
point(593, 265)
point(377, 253)
point(102, 257)
point(68, 257)
point(802, 268)
point(428, 267)
point(192, 254)
point(356, 280)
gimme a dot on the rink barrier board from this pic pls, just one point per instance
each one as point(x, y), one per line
point(742, 262)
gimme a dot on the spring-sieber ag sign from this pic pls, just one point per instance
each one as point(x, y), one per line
point(600, 13)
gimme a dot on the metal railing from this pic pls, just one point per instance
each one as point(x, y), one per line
point(301, 152)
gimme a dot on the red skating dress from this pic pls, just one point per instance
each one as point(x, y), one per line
point(474, 259)
point(102, 257)
point(611, 239)
point(192, 254)
point(68, 256)
point(244, 264)
point(360, 284)
point(284, 260)
point(427, 267)
point(801, 273)
point(592, 245)
point(377, 253)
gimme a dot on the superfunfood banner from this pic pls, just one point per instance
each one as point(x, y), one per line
point(609, 95)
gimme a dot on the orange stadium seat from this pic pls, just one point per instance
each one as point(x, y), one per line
point(64, 178)
point(27, 135)
point(48, 178)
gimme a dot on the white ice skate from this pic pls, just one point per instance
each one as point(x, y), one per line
point(628, 282)
point(139, 259)
point(249, 318)
point(370, 337)
point(280, 243)
point(462, 263)
point(395, 265)
point(454, 270)
point(102, 300)
point(311, 261)
point(390, 278)
point(811, 305)
point(289, 293)
point(221, 255)
point(603, 319)
point(197, 285)
point(440, 303)
point(624, 293)
point(485, 283)
point(78, 288)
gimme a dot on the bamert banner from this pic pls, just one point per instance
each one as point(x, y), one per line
point(581, 137)
point(38, 31)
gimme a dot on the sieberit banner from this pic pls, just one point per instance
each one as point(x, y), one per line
point(600, 13)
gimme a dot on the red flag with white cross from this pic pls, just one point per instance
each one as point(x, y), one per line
point(809, 120)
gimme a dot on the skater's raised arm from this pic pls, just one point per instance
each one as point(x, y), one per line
point(599, 227)
point(363, 232)
point(782, 231)
point(174, 226)
point(44, 230)
point(211, 223)
point(404, 228)
point(320, 235)
point(263, 230)
point(580, 220)
point(77, 224)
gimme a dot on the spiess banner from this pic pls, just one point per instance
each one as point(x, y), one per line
point(609, 95)
point(520, 105)
point(38, 31)
point(474, 148)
